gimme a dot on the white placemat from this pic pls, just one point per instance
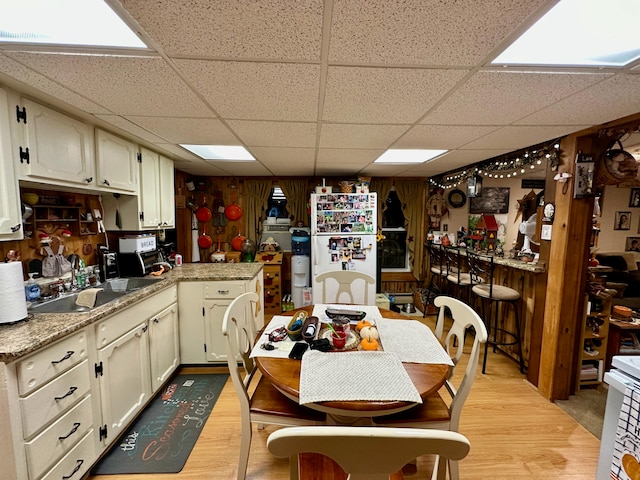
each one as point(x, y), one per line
point(411, 341)
point(281, 348)
point(351, 376)
point(319, 310)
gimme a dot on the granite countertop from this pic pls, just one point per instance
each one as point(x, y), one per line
point(513, 263)
point(41, 329)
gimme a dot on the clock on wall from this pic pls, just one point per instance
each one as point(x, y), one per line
point(548, 211)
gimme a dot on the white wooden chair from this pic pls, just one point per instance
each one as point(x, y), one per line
point(434, 413)
point(265, 404)
point(368, 453)
point(347, 282)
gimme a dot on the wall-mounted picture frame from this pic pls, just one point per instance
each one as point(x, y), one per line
point(633, 244)
point(622, 221)
point(634, 198)
point(493, 200)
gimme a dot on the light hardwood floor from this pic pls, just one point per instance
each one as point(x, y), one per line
point(514, 432)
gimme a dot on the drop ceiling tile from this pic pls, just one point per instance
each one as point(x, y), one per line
point(243, 169)
point(601, 103)
point(517, 137)
point(441, 136)
point(124, 85)
point(179, 152)
point(353, 157)
point(423, 32)
point(286, 161)
point(359, 136)
point(125, 125)
point(498, 98)
point(338, 169)
point(257, 91)
point(384, 95)
point(29, 78)
point(456, 159)
point(275, 134)
point(205, 28)
point(198, 131)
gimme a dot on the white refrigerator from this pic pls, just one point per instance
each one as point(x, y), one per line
point(343, 237)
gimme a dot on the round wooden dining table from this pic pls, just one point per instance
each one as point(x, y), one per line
point(284, 374)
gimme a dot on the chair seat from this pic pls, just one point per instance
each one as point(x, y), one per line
point(433, 409)
point(463, 279)
point(498, 292)
point(266, 400)
point(438, 271)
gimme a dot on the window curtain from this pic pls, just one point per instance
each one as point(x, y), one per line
point(411, 193)
point(256, 194)
point(382, 186)
point(297, 193)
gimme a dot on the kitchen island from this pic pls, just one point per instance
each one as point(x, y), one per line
point(70, 383)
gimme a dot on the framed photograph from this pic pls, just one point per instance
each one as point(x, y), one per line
point(633, 244)
point(634, 199)
point(493, 200)
point(622, 221)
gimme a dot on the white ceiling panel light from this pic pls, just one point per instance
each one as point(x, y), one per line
point(65, 22)
point(580, 33)
point(398, 156)
point(220, 152)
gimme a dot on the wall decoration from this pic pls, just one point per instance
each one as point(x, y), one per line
point(493, 200)
point(633, 244)
point(585, 168)
point(634, 199)
point(622, 221)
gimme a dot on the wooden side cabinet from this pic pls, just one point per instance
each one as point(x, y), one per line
point(272, 278)
point(593, 340)
point(623, 340)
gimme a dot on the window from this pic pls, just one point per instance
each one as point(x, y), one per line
point(277, 204)
point(393, 253)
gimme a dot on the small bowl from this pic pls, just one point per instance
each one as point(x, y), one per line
point(294, 329)
point(30, 198)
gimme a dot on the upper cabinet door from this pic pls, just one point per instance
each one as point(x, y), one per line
point(117, 163)
point(60, 148)
point(167, 193)
point(11, 227)
point(149, 189)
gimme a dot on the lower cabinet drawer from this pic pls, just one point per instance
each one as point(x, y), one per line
point(45, 450)
point(54, 399)
point(219, 290)
point(75, 463)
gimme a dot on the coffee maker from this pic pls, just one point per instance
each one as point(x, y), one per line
point(108, 262)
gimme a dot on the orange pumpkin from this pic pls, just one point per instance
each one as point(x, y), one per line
point(361, 324)
point(369, 344)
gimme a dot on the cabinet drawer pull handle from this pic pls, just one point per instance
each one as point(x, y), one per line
point(66, 357)
point(70, 392)
point(88, 180)
point(15, 228)
point(155, 320)
point(106, 182)
point(75, 470)
point(75, 428)
point(223, 292)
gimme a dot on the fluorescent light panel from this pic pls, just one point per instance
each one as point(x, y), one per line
point(408, 156)
point(220, 152)
point(64, 22)
point(580, 33)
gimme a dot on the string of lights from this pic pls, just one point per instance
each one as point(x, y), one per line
point(505, 166)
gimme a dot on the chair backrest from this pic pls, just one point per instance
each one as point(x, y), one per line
point(239, 330)
point(436, 256)
point(347, 282)
point(371, 453)
point(481, 268)
point(456, 263)
point(463, 317)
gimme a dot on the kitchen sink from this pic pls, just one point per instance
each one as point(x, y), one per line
point(112, 290)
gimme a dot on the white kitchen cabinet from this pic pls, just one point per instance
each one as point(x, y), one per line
point(154, 206)
point(116, 163)
point(11, 227)
point(164, 345)
point(167, 193)
point(124, 359)
point(201, 309)
point(46, 410)
point(52, 148)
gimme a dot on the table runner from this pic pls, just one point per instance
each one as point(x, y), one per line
point(411, 341)
point(281, 348)
point(352, 376)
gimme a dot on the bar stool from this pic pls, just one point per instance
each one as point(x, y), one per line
point(458, 275)
point(482, 275)
point(437, 266)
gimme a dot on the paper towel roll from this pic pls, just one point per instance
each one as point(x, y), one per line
point(13, 304)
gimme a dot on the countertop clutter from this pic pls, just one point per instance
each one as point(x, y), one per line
point(41, 329)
